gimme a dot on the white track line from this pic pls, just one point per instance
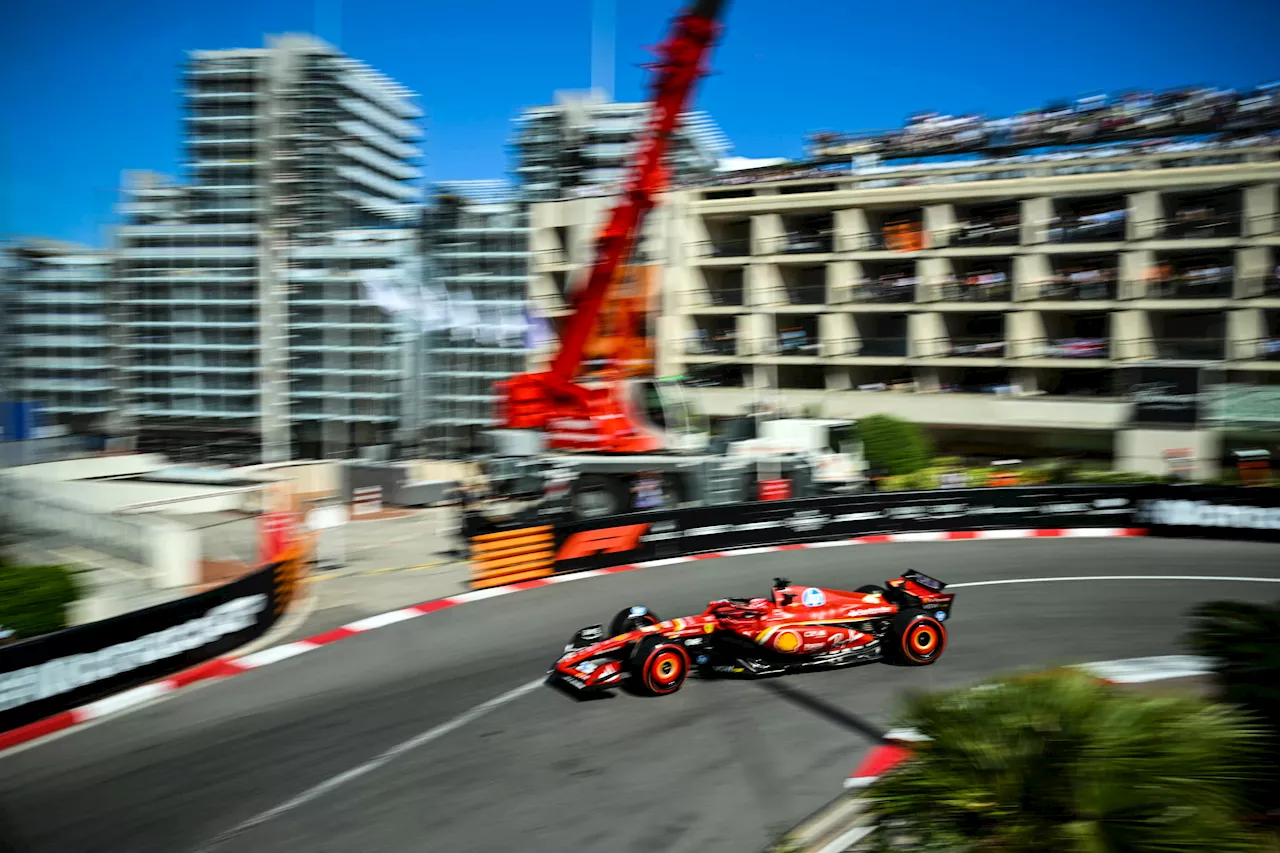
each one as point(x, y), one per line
point(334, 782)
point(478, 711)
point(1115, 578)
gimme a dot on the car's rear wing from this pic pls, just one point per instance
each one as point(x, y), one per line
point(916, 589)
point(931, 584)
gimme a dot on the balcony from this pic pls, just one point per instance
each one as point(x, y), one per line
point(1258, 349)
point(1209, 227)
point(1065, 289)
point(988, 287)
point(886, 290)
point(1264, 286)
point(805, 294)
point(973, 235)
point(798, 244)
point(707, 345)
point(964, 346)
point(1265, 224)
point(1067, 348)
point(726, 297)
point(891, 347)
point(894, 238)
point(1187, 349)
point(799, 340)
point(731, 248)
point(1207, 283)
point(1104, 227)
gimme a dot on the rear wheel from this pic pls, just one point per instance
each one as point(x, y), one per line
point(658, 666)
point(916, 638)
point(626, 621)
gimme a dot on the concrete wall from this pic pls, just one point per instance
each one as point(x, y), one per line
point(93, 467)
point(308, 477)
point(938, 409)
point(166, 498)
point(165, 550)
point(173, 550)
point(1142, 450)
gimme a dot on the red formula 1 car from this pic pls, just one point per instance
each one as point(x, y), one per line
point(795, 628)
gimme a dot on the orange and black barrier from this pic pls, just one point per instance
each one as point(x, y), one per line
point(511, 556)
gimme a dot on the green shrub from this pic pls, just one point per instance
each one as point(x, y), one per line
point(34, 599)
point(948, 462)
point(1058, 761)
point(894, 445)
point(979, 476)
point(894, 483)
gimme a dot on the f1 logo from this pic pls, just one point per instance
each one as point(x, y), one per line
point(608, 540)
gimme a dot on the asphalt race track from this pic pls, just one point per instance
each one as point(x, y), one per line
point(719, 766)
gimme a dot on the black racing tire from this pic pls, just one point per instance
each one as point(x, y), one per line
point(658, 667)
point(599, 496)
point(915, 638)
point(868, 588)
point(624, 622)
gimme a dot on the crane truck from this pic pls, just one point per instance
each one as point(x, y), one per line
point(587, 444)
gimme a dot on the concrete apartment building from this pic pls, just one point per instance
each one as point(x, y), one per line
point(476, 244)
point(1002, 299)
point(246, 328)
point(582, 145)
point(57, 344)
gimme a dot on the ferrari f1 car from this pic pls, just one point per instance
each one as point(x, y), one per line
point(794, 628)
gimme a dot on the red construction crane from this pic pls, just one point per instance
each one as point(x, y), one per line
point(604, 418)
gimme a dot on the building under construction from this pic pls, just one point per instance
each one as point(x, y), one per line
point(246, 334)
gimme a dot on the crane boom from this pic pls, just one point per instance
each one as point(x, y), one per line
point(533, 400)
point(682, 60)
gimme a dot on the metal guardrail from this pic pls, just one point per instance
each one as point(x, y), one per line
point(970, 236)
point(734, 248)
point(1102, 232)
point(1185, 349)
point(798, 244)
point(1185, 286)
point(1065, 289)
point(1261, 286)
point(876, 347)
point(1256, 349)
point(1067, 348)
point(964, 291)
point(805, 294)
point(964, 346)
point(712, 347)
point(724, 297)
point(884, 291)
point(1215, 227)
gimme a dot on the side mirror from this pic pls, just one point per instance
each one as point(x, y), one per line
point(781, 583)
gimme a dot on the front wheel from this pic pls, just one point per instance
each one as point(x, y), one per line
point(627, 620)
point(916, 638)
point(658, 667)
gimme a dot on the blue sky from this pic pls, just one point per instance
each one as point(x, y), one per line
point(88, 89)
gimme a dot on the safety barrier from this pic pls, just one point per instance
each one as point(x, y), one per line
point(54, 673)
point(1166, 510)
point(511, 556)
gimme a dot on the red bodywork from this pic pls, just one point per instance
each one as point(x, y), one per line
point(575, 416)
point(798, 626)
